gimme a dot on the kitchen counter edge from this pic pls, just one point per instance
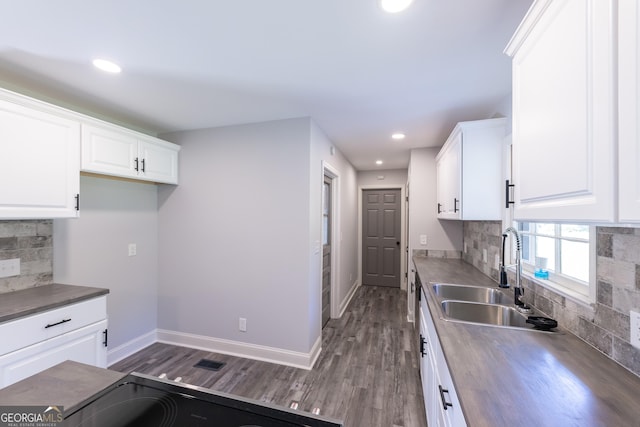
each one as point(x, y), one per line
point(68, 384)
point(25, 302)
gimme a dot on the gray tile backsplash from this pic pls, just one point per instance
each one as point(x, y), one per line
point(605, 325)
point(32, 242)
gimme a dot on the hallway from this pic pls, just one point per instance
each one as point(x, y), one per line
point(366, 375)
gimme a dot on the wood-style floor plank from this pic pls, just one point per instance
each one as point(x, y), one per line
point(366, 375)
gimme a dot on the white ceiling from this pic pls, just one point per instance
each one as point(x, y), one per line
point(360, 73)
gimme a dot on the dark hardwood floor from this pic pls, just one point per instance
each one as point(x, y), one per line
point(367, 373)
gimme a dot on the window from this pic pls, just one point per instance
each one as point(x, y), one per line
point(326, 206)
point(563, 250)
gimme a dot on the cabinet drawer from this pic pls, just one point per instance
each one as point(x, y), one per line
point(84, 345)
point(29, 330)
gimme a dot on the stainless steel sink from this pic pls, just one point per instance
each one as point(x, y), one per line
point(470, 293)
point(485, 314)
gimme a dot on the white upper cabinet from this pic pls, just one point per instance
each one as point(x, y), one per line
point(113, 150)
point(564, 104)
point(449, 178)
point(469, 171)
point(39, 160)
point(629, 111)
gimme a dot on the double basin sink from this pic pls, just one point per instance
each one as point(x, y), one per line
point(479, 305)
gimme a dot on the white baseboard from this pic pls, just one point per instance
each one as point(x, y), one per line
point(127, 349)
point(241, 349)
point(349, 297)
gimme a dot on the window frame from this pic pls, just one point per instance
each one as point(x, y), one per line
point(564, 284)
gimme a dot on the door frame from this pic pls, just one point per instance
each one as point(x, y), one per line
point(403, 228)
point(331, 172)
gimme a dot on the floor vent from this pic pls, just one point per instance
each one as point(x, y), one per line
point(211, 365)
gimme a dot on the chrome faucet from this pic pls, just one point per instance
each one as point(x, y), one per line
point(518, 290)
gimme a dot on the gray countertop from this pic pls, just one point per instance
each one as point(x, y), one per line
point(14, 305)
point(506, 377)
point(67, 384)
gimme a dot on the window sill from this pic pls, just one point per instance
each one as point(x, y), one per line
point(587, 301)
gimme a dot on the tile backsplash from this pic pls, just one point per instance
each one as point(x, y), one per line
point(605, 324)
point(32, 242)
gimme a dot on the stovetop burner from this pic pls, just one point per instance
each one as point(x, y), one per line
point(141, 400)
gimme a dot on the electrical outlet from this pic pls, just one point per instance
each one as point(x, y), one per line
point(242, 324)
point(10, 267)
point(133, 249)
point(484, 256)
point(635, 328)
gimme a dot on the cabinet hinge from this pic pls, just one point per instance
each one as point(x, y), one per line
point(106, 337)
point(78, 201)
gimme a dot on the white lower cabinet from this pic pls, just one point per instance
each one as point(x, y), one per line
point(75, 332)
point(440, 399)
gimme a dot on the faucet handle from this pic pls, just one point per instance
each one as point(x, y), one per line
point(503, 277)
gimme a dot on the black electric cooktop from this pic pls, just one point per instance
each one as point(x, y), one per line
point(140, 400)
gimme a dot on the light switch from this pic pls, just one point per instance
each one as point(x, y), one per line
point(423, 239)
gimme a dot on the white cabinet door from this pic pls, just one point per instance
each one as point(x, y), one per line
point(159, 161)
point(629, 111)
point(39, 162)
point(428, 370)
point(84, 345)
point(448, 178)
point(109, 151)
point(564, 112)
point(453, 174)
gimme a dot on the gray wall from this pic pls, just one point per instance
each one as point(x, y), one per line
point(443, 236)
point(604, 326)
point(31, 241)
point(391, 177)
point(93, 251)
point(238, 236)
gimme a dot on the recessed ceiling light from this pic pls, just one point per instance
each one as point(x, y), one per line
point(398, 136)
point(108, 66)
point(394, 6)
point(378, 162)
